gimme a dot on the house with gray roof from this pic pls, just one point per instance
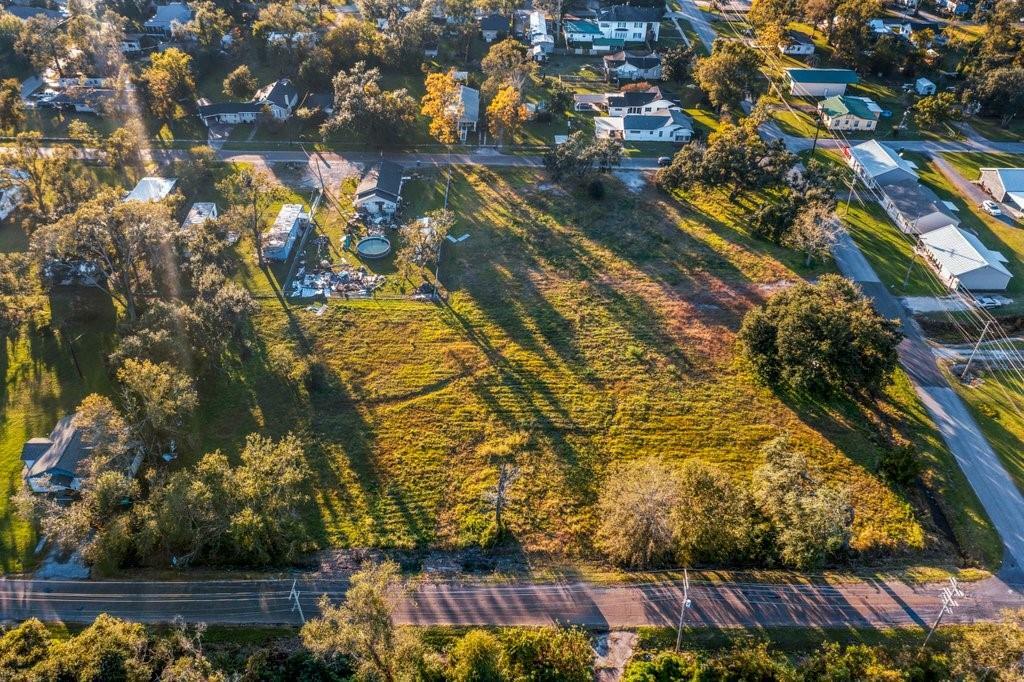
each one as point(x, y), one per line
point(671, 125)
point(916, 209)
point(380, 189)
point(1004, 184)
point(819, 82)
point(25, 13)
point(878, 165)
point(469, 115)
point(963, 261)
point(629, 23)
point(50, 465)
point(493, 26)
point(278, 99)
point(167, 17)
point(633, 66)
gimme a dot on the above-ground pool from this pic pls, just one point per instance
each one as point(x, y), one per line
point(373, 247)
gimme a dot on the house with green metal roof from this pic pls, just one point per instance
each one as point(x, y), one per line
point(819, 82)
point(580, 31)
point(846, 112)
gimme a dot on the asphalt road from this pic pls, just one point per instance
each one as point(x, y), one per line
point(867, 604)
point(698, 20)
point(984, 471)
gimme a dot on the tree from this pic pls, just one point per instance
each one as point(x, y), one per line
point(730, 74)
point(110, 648)
point(635, 506)
point(562, 654)
point(937, 110)
point(814, 231)
point(812, 520)
point(770, 19)
point(506, 114)
point(676, 62)
point(714, 519)
point(425, 237)
point(363, 627)
point(108, 435)
point(252, 192)
point(126, 243)
point(44, 44)
point(581, 155)
point(849, 30)
point(667, 666)
point(123, 147)
point(361, 107)
point(442, 103)
point(286, 18)
point(406, 36)
point(51, 183)
point(350, 41)
point(22, 301)
point(12, 112)
point(208, 25)
point(992, 651)
point(240, 83)
point(158, 395)
point(1001, 92)
point(477, 657)
point(507, 63)
point(822, 338)
point(168, 78)
point(23, 646)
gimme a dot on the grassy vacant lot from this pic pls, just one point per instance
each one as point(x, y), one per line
point(969, 164)
point(603, 330)
point(995, 401)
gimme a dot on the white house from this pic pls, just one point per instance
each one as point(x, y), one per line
point(819, 82)
point(630, 24)
point(10, 191)
point(894, 27)
point(846, 112)
point(280, 239)
point(279, 99)
point(167, 17)
point(580, 31)
point(50, 465)
point(1004, 184)
point(916, 209)
point(878, 165)
point(670, 125)
point(963, 261)
point(796, 44)
point(151, 188)
point(633, 66)
point(380, 190)
point(909, 5)
point(470, 114)
point(923, 86)
point(199, 213)
point(957, 8)
point(538, 23)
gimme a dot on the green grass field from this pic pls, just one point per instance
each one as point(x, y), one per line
point(969, 164)
point(604, 330)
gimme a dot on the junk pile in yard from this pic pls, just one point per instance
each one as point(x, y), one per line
point(340, 279)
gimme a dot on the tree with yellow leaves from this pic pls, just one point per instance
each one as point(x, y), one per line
point(506, 113)
point(443, 105)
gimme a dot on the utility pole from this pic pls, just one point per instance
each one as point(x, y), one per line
point(817, 129)
point(682, 608)
point(910, 268)
point(949, 596)
point(294, 596)
point(975, 351)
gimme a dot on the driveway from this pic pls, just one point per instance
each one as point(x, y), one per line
point(699, 20)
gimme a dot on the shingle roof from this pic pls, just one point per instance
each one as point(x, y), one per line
point(63, 452)
point(822, 76)
point(916, 201)
point(655, 121)
point(470, 104)
point(166, 15)
point(638, 60)
point(635, 98)
point(383, 177)
point(281, 92)
point(205, 110)
point(630, 13)
point(799, 38)
point(494, 22)
point(959, 252)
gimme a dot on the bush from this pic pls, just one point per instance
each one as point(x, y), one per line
point(899, 464)
point(549, 655)
point(477, 657)
point(596, 190)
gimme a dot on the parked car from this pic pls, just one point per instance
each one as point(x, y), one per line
point(886, 113)
point(991, 207)
point(664, 161)
point(988, 302)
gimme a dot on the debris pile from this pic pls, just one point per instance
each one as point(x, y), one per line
point(337, 280)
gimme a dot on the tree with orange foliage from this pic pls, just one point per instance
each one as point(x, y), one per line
point(506, 113)
point(442, 104)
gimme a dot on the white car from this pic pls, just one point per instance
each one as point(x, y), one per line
point(991, 207)
point(988, 302)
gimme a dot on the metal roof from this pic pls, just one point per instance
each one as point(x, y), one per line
point(846, 105)
point(822, 76)
point(876, 159)
point(958, 251)
point(151, 189)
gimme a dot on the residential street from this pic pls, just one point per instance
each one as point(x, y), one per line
point(698, 20)
point(863, 604)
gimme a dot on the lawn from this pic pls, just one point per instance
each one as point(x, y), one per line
point(969, 164)
point(995, 402)
point(604, 330)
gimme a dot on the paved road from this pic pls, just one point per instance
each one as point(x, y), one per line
point(798, 144)
point(988, 477)
point(698, 19)
point(869, 604)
